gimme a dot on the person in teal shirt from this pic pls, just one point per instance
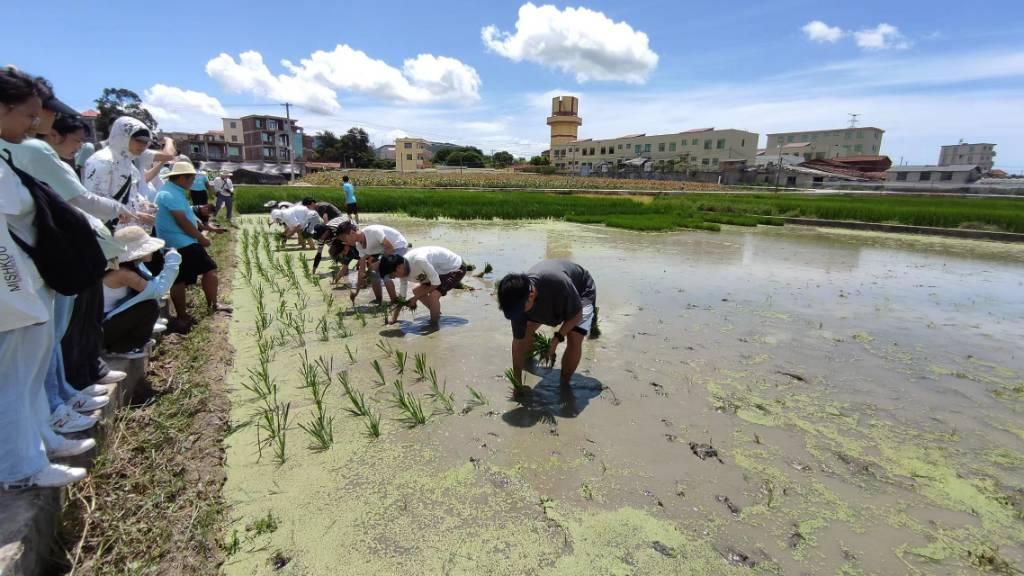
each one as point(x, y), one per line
point(179, 227)
point(350, 200)
point(200, 189)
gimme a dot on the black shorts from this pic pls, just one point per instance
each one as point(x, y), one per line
point(199, 197)
point(194, 263)
point(351, 208)
point(450, 280)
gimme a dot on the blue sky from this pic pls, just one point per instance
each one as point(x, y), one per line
point(482, 73)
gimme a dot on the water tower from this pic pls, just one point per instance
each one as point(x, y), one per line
point(564, 119)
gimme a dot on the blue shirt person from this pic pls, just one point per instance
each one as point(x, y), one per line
point(173, 198)
point(350, 199)
point(200, 190)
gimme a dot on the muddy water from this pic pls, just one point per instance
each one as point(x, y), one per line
point(863, 393)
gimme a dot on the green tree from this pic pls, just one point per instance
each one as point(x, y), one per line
point(539, 161)
point(467, 158)
point(353, 148)
point(117, 102)
point(502, 159)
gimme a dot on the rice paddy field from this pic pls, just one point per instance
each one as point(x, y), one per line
point(697, 211)
point(761, 400)
point(495, 179)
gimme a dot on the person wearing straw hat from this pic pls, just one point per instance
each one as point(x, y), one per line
point(131, 295)
point(178, 226)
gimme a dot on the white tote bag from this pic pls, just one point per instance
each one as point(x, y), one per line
point(20, 304)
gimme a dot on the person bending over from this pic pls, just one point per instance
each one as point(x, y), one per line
point(373, 242)
point(555, 293)
point(434, 269)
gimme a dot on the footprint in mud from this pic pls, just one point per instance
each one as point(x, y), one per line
point(278, 560)
point(733, 508)
point(705, 451)
point(737, 557)
point(663, 549)
point(659, 389)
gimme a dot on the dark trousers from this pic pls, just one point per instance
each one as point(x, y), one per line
point(83, 341)
point(131, 328)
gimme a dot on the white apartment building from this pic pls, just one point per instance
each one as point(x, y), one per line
point(963, 153)
point(826, 144)
point(701, 149)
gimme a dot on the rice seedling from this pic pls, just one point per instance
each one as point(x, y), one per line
point(410, 405)
point(273, 421)
point(487, 270)
point(306, 271)
point(441, 396)
point(381, 381)
point(358, 401)
point(361, 317)
point(309, 371)
point(321, 428)
point(301, 302)
point(232, 545)
point(518, 388)
point(421, 366)
point(432, 376)
point(385, 347)
point(282, 307)
point(323, 328)
point(351, 354)
point(399, 361)
point(265, 349)
point(329, 301)
point(260, 383)
point(372, 423)
point(476, 398)
point(263, 525)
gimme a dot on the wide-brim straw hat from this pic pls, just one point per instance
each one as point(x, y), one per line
point(181, 169)
point(136, 243)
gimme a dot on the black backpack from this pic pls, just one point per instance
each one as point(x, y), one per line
point(66, 253)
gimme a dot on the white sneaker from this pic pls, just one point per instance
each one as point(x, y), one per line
point(66, 421)
point(159, 328)
point(98, 389)
point(113, 377)
point(53, 476)
point(67, 447)
point(162, 321)
point(85, 403)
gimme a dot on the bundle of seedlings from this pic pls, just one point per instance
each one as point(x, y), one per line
point(519, 390)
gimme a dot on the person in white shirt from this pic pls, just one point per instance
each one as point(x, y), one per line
point(434, 269)
point(225, 190)
point(299, 222)
point(373, 242)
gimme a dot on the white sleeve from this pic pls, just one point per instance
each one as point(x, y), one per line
point(98, 174)
point(403, 287)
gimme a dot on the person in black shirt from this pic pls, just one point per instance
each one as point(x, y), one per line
point(326, 210)
point(552, 292)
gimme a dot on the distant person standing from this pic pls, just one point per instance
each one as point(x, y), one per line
point(200, 191)
point(225, 189)
point(552, 292)
point(351, 208)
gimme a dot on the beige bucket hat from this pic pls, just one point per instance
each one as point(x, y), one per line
point(136, 243)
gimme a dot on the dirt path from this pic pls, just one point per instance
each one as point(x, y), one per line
point(152, 503)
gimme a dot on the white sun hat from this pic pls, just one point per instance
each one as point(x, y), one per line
point(136, 243)
point(181, 169)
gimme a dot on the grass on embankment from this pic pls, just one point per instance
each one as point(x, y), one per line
point(700, 211)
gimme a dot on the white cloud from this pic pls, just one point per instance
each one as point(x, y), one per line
point(578, 41)
point(251, 75)
point(175, 108)
point(312, 83)
point(818, 31)
point(881, 37)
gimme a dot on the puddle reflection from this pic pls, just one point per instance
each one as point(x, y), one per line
point(422, 326)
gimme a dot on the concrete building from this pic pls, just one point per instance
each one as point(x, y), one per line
point(701, 150)
point(564, 120)
point(409, 154)
point(268, 140)
point(934, 176)
point(208, 147)
point(386, 152)
point(826, 144)
point(963, 153)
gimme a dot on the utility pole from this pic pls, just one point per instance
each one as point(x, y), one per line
point(291, 145)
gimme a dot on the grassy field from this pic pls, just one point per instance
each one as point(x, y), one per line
point(699, 211)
